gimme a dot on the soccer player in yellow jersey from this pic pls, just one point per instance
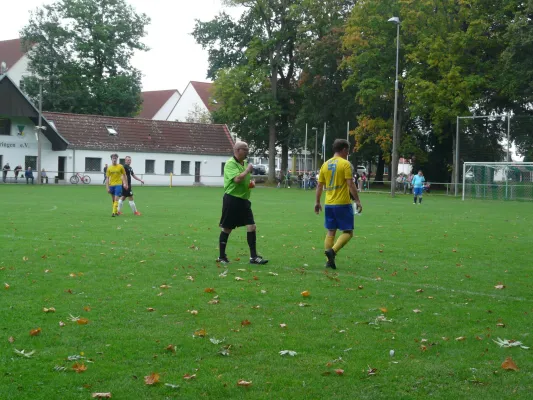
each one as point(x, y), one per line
point(116, 178)
point(336, 179)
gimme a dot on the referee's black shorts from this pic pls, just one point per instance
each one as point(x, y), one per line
point(236, 212)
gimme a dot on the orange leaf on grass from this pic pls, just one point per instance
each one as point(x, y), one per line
point(151, 379)
point(209, 290)
point(245, 322)
point(171, 348)
point(200, 333)
point(87, 308)
point(306, 293)
point(6, 286)
point(509, 364)
point(82, 321)
point(339, 371)
point(188, 377)
point(383, 309)
point(150, 309)
point(35, 332)
point(79, 368)
point(242, 382)
point(101, 395)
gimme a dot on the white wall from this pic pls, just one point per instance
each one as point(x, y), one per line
point(164, 111)
point(187, 103)
point(17, 71)
point(15, 147)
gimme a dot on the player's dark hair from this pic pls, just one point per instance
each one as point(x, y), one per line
point(114, 155)
point(340, 144)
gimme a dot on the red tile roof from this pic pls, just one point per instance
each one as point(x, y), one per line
point(204, 90)
point(89, 132)
point(11, 51)
point(153, 101)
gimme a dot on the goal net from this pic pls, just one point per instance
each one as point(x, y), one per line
point(498, 180)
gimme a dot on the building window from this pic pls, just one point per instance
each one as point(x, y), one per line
point(111, 130)
point(93, 164)
point(5, 126)
point(169, 167)
point(222, 165)
point(30, 161)
point(122, 161)
point(149, 167)
point(185, 167)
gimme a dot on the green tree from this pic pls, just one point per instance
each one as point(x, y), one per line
point(80, 50)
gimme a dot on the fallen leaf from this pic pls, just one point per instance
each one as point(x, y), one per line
point(35, 332)
point(371, 371)
point(142, 261)
point(273, 273)
point(419, 290)
point(82, 321)
point(282, 325)
point(200, 333)
point(87, 308)
point(256, 307)
point(190, 278)
point(214, 301)
point(189, 377)
point(423, 348)
point(460, 338)
point(339, 371)
point(150, 309)
point(209, 290)
point(383, 310)
point(245, 322)
point(238, 278)
point(101, 395)
point(165, 287)
point(6, 286)
point(61, 324)
point(79, 368)
point(151, 379)
point(49, 310)
point(11, 339)
point(360, 287)
point(509, 364)
point(306, 293)
point(499, 287)
point(242, 382)
point(25, 258)
point(287, 352)
point(171, 348)
point(501, 325)
point(194, 312)
point(416, 311)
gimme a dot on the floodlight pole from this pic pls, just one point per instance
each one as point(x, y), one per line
point(394, 167)
point(316, 147)
point(39, 128)
point(508, 136)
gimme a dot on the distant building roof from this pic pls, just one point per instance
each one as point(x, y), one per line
point(92, 132)
point(11, 51)
point(153, 101)
point(205, 91)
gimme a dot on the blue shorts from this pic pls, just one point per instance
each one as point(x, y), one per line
point(116, 190)
point(417, 191)
point(339, 217)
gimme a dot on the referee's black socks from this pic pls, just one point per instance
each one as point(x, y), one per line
point(222, 242)
point(252, 238)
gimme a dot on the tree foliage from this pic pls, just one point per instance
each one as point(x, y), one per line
point(80, 50)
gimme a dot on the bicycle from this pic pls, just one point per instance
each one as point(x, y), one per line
point(74, 179)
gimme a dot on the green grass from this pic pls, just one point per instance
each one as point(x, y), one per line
point(456, 252)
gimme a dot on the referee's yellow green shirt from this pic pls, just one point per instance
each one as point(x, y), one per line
point(333, 175)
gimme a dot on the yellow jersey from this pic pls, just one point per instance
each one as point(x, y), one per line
point(114, 173)
point(333, 176)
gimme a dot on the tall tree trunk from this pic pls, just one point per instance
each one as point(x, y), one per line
point(285, 157)
point(272, 134)
point(380, 168)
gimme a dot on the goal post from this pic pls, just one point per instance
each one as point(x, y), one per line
point(498, 181)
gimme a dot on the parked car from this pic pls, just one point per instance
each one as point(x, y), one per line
point(360, 169)
point(259, 169)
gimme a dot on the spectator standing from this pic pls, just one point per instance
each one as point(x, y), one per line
point(405, 184)
point(5, 170)
point(105, 173)
point(418, 186)
point(236, 206)
point(363, 180)
point(336, 179)
point(17, 169)
point(29, 175)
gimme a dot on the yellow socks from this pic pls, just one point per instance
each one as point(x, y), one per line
point(341, 241)
point(115, 207)
point(328, 242)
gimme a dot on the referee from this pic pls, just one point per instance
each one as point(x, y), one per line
point(236, 208)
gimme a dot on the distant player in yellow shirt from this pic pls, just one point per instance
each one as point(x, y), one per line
point(116, 178)
point(335, 178)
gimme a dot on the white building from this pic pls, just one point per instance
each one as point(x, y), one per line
point(158, 104)
point(74, 143)
point(196, 96)
point(16, 61)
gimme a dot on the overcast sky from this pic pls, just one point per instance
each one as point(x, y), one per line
point(174, 58)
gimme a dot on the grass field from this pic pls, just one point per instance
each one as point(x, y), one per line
point(60, 248)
